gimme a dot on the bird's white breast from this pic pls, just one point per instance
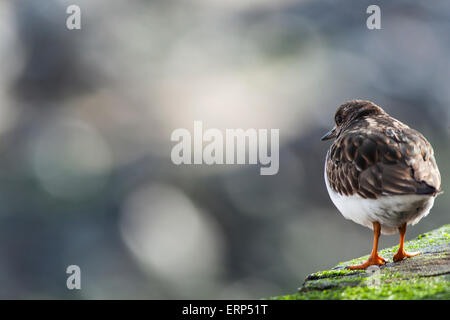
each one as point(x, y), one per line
point(391, 211)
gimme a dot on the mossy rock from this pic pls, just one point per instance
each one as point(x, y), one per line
point(426, 276)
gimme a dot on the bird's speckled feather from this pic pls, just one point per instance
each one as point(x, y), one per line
point(379, 169)
point(375, 155)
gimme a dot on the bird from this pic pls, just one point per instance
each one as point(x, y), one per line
point(379, 173)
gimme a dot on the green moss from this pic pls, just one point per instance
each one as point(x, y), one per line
point(331, 283)
point(333, 273)
point(422, 288)
point(395, 281)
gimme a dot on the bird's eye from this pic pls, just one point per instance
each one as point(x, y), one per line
point(338, 119)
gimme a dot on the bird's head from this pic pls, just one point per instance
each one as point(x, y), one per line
point(349, 112)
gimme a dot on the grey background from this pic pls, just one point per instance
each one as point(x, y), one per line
point(86, 116)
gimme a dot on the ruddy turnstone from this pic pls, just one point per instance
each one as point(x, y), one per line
point(379, 173)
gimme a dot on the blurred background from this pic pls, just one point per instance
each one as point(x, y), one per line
point(86, 117)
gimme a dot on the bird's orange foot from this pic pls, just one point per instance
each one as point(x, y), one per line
point(400, 255)
point(372, 261)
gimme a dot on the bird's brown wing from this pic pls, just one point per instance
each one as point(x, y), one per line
point(390, 161)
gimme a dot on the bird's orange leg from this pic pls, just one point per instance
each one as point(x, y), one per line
point(374, 258)
point(401, 254)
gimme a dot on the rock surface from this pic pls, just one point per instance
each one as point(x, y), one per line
point(426, 276)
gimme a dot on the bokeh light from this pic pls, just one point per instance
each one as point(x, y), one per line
point(86, 118)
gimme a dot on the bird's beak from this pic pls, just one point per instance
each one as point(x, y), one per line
point(329, 135)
